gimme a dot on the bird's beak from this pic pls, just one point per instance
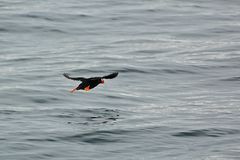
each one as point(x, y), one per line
point(102, 81)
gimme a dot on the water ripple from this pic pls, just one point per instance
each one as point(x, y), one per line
point(213, 132)
point(88, 116)
point(35, 16)
point(97, 137)
point(8, 112)
point(233, 79)
point(4, 30)
point(42, 140)
point(178, 71)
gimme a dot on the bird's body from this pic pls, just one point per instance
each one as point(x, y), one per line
point(89, 83)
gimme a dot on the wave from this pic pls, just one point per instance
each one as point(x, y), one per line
point(122, 70)
point(94, 116)
point(23, 59)
point(35, 16)
point(178, 71)
point(44, 100)
point(212, 132)
point(42, 140)
point(233, 79)
point(8, 112)
point(97, 137)
point(4, 30)
point(141, 71)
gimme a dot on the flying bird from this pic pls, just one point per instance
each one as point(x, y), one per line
point(89, 83)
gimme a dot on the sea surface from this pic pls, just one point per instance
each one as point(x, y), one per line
point(177, 95)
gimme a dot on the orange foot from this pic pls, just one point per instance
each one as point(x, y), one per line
point(87, 88)
point(73, 90)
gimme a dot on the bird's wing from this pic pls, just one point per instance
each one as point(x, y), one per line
point(74, 78)
point(110, 76)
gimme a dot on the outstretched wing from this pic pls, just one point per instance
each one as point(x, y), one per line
point(110, 76)
point(74, 78)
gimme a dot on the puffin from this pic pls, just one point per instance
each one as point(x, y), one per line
point(89, 83)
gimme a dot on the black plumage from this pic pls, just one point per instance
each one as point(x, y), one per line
point(89, 83)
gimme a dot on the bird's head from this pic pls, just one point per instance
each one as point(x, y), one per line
point(102, 81)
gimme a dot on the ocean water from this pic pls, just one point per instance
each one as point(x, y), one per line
point(176, 96)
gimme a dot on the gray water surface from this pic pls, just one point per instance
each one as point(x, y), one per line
point(176, 96)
